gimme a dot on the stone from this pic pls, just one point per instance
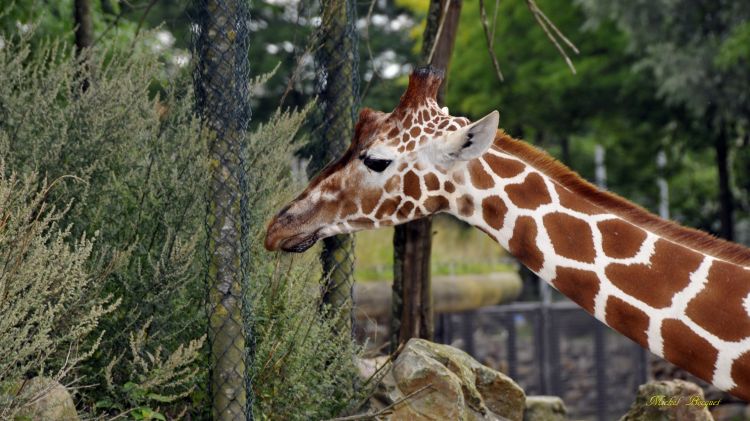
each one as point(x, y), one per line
point(669, 400)
point(731, 411)
point(439, 382)
point(545, 408)
point(50, 401)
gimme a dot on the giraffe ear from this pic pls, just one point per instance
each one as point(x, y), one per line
point(468, 142)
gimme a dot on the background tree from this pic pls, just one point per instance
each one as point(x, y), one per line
point(337, 62)
point(412, 315)
point(691, 50)
point(222, 98)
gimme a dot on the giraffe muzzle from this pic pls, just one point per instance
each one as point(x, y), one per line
point(299, 244)
point(278, 238)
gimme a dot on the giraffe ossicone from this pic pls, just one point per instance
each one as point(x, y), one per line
point(678, 292)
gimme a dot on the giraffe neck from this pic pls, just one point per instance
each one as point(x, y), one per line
point(641, 276)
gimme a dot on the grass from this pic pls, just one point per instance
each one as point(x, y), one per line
point(457, 249)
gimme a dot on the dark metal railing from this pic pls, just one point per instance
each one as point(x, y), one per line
point(602, 388)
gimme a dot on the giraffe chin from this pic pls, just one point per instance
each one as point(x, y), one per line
point(299, 244)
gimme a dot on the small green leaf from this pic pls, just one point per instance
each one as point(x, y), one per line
point(159, 398)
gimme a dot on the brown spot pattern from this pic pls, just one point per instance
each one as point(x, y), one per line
point(449, 187)
point(523, 244)
point(530, 194)
point(465, 205)
point(627, 320)
point(411, 185)
point(740, 368)
point(620, 239)
point(505, 168)
point(405, 208)
point(369, 200)
point(571, 237)
point(362, 223)
point(387, 208)
point(479, 177)
point(570, 201)
point(393, 184)
point(581, 286)
point(415, 131)
point(431, 181)
point(686, 349)
point(493, 211)
point(348, 207)
point(721, 300)
point(436, 203)
point(655, 284)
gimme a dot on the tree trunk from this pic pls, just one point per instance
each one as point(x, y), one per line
point(336, 64)
point(222, 101)
point(565, 150)
point(412, 315)
point(726, 200)
point(84, 33)
point(84, 27)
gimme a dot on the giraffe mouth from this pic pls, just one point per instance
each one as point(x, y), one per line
point(299, 243)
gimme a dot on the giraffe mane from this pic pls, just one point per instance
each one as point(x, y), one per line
point(637, 215)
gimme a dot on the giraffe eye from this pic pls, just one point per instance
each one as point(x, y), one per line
point(377, 165)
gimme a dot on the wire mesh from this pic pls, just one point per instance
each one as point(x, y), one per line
point(337, 74)
point(221, 38)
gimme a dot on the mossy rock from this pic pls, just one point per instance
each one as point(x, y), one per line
point(545, 408)
point(673, 400)
point(49, 400)
point(453, 385)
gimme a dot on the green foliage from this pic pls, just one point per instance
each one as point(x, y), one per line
point(50, 294)
point(139, 156)
point(303, 368)
point(696, 53)
point(613, 100)
point(692, 48)
point(733, 50)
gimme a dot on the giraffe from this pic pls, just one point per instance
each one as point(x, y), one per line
point(678, 292)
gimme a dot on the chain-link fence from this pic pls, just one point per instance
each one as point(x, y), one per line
point(337, 75)
point(222, 100)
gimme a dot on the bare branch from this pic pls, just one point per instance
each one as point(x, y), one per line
point(557, 31)
point(439, 30)
point(385, 411)
point(375, 73)
point(494, 19)
point(490, 39)
point(143, 19)
point(551, 30)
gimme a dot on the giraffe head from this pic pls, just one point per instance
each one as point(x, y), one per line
point(396, 169)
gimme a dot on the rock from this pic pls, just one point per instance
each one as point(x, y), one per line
point(445, 383)
point(669, 400)
point(731, 411)
point(545, 408)
point(49, 401)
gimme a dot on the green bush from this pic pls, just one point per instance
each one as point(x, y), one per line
point(138, 150)
point(50, 294)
